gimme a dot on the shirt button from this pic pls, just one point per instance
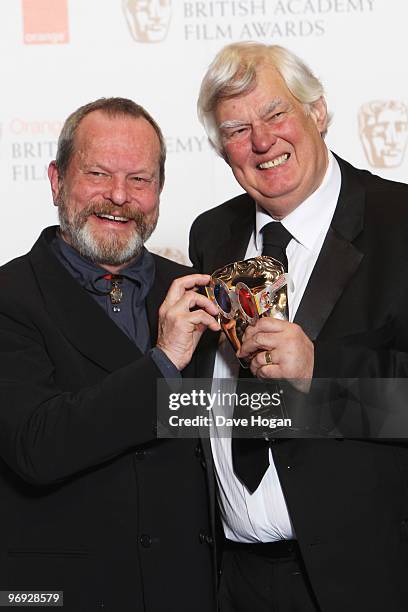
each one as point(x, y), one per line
point(205, 538)
point(145, 541)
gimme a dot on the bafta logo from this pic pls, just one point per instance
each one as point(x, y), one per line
point(383, 127)
point(148, 20)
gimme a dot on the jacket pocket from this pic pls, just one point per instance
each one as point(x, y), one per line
point(66, 553)
point(380, 337)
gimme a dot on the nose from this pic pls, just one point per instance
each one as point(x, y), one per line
point(390, 133)
point(116, 192)
point(262, 138)
point(154, 10)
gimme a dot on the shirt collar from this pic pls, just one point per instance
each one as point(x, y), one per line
point(314, 214)
point(141, 271)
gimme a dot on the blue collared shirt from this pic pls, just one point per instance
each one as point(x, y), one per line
point(130, 315)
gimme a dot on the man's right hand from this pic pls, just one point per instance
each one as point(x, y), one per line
point(180, 327)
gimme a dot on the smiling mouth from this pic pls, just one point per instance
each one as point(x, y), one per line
point(112, 218)
point(273, 163)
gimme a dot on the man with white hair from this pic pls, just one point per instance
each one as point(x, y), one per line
point(309, 524)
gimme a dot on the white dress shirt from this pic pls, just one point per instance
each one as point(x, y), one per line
point(263, 515)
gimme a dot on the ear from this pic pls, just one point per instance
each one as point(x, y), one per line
point(161, 186)
point(223, 155)
point(318, 111)
point(55, 181)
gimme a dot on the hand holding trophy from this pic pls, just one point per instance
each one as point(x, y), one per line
point(246, 291)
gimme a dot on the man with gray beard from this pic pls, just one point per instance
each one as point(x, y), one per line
point(83, 476)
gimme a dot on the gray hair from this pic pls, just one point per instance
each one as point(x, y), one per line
point(233, 72)
point(113, 107)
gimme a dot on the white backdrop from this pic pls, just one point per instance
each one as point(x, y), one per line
point(59, 54)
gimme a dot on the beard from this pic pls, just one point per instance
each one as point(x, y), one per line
point(109, 248)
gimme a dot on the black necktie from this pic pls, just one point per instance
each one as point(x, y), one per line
point(250, 456)
point(275, 240)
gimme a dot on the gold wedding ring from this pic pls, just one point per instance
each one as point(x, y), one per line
point(268, 358)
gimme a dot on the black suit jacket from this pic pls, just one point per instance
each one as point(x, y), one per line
point(348, 499)
point(91, 502)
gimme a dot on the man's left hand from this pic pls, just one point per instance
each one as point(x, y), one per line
point(183, 317)
point(279, 350)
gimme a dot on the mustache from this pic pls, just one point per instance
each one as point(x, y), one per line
point(106, 208)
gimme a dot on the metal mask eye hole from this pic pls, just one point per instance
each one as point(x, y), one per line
point(246, 301)
point(222, 298)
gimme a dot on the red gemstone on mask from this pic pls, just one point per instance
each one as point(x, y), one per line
point(246, 302)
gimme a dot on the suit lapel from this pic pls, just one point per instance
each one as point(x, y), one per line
point(208, 458)
point(338, 259)
point(232, 248)
point(75, 312)
point(206, 352)
point(156, 296)
point(237, 234)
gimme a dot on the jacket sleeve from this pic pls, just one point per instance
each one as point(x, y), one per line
point(48, 434)
point(375, 353)
point(367, 374)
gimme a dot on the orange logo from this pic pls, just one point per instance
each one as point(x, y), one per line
point(383, 126)
point(148, 20)
point(45, 22)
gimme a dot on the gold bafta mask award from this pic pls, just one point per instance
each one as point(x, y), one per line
point(245, 291)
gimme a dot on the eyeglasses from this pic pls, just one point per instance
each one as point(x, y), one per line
point(250, 303)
